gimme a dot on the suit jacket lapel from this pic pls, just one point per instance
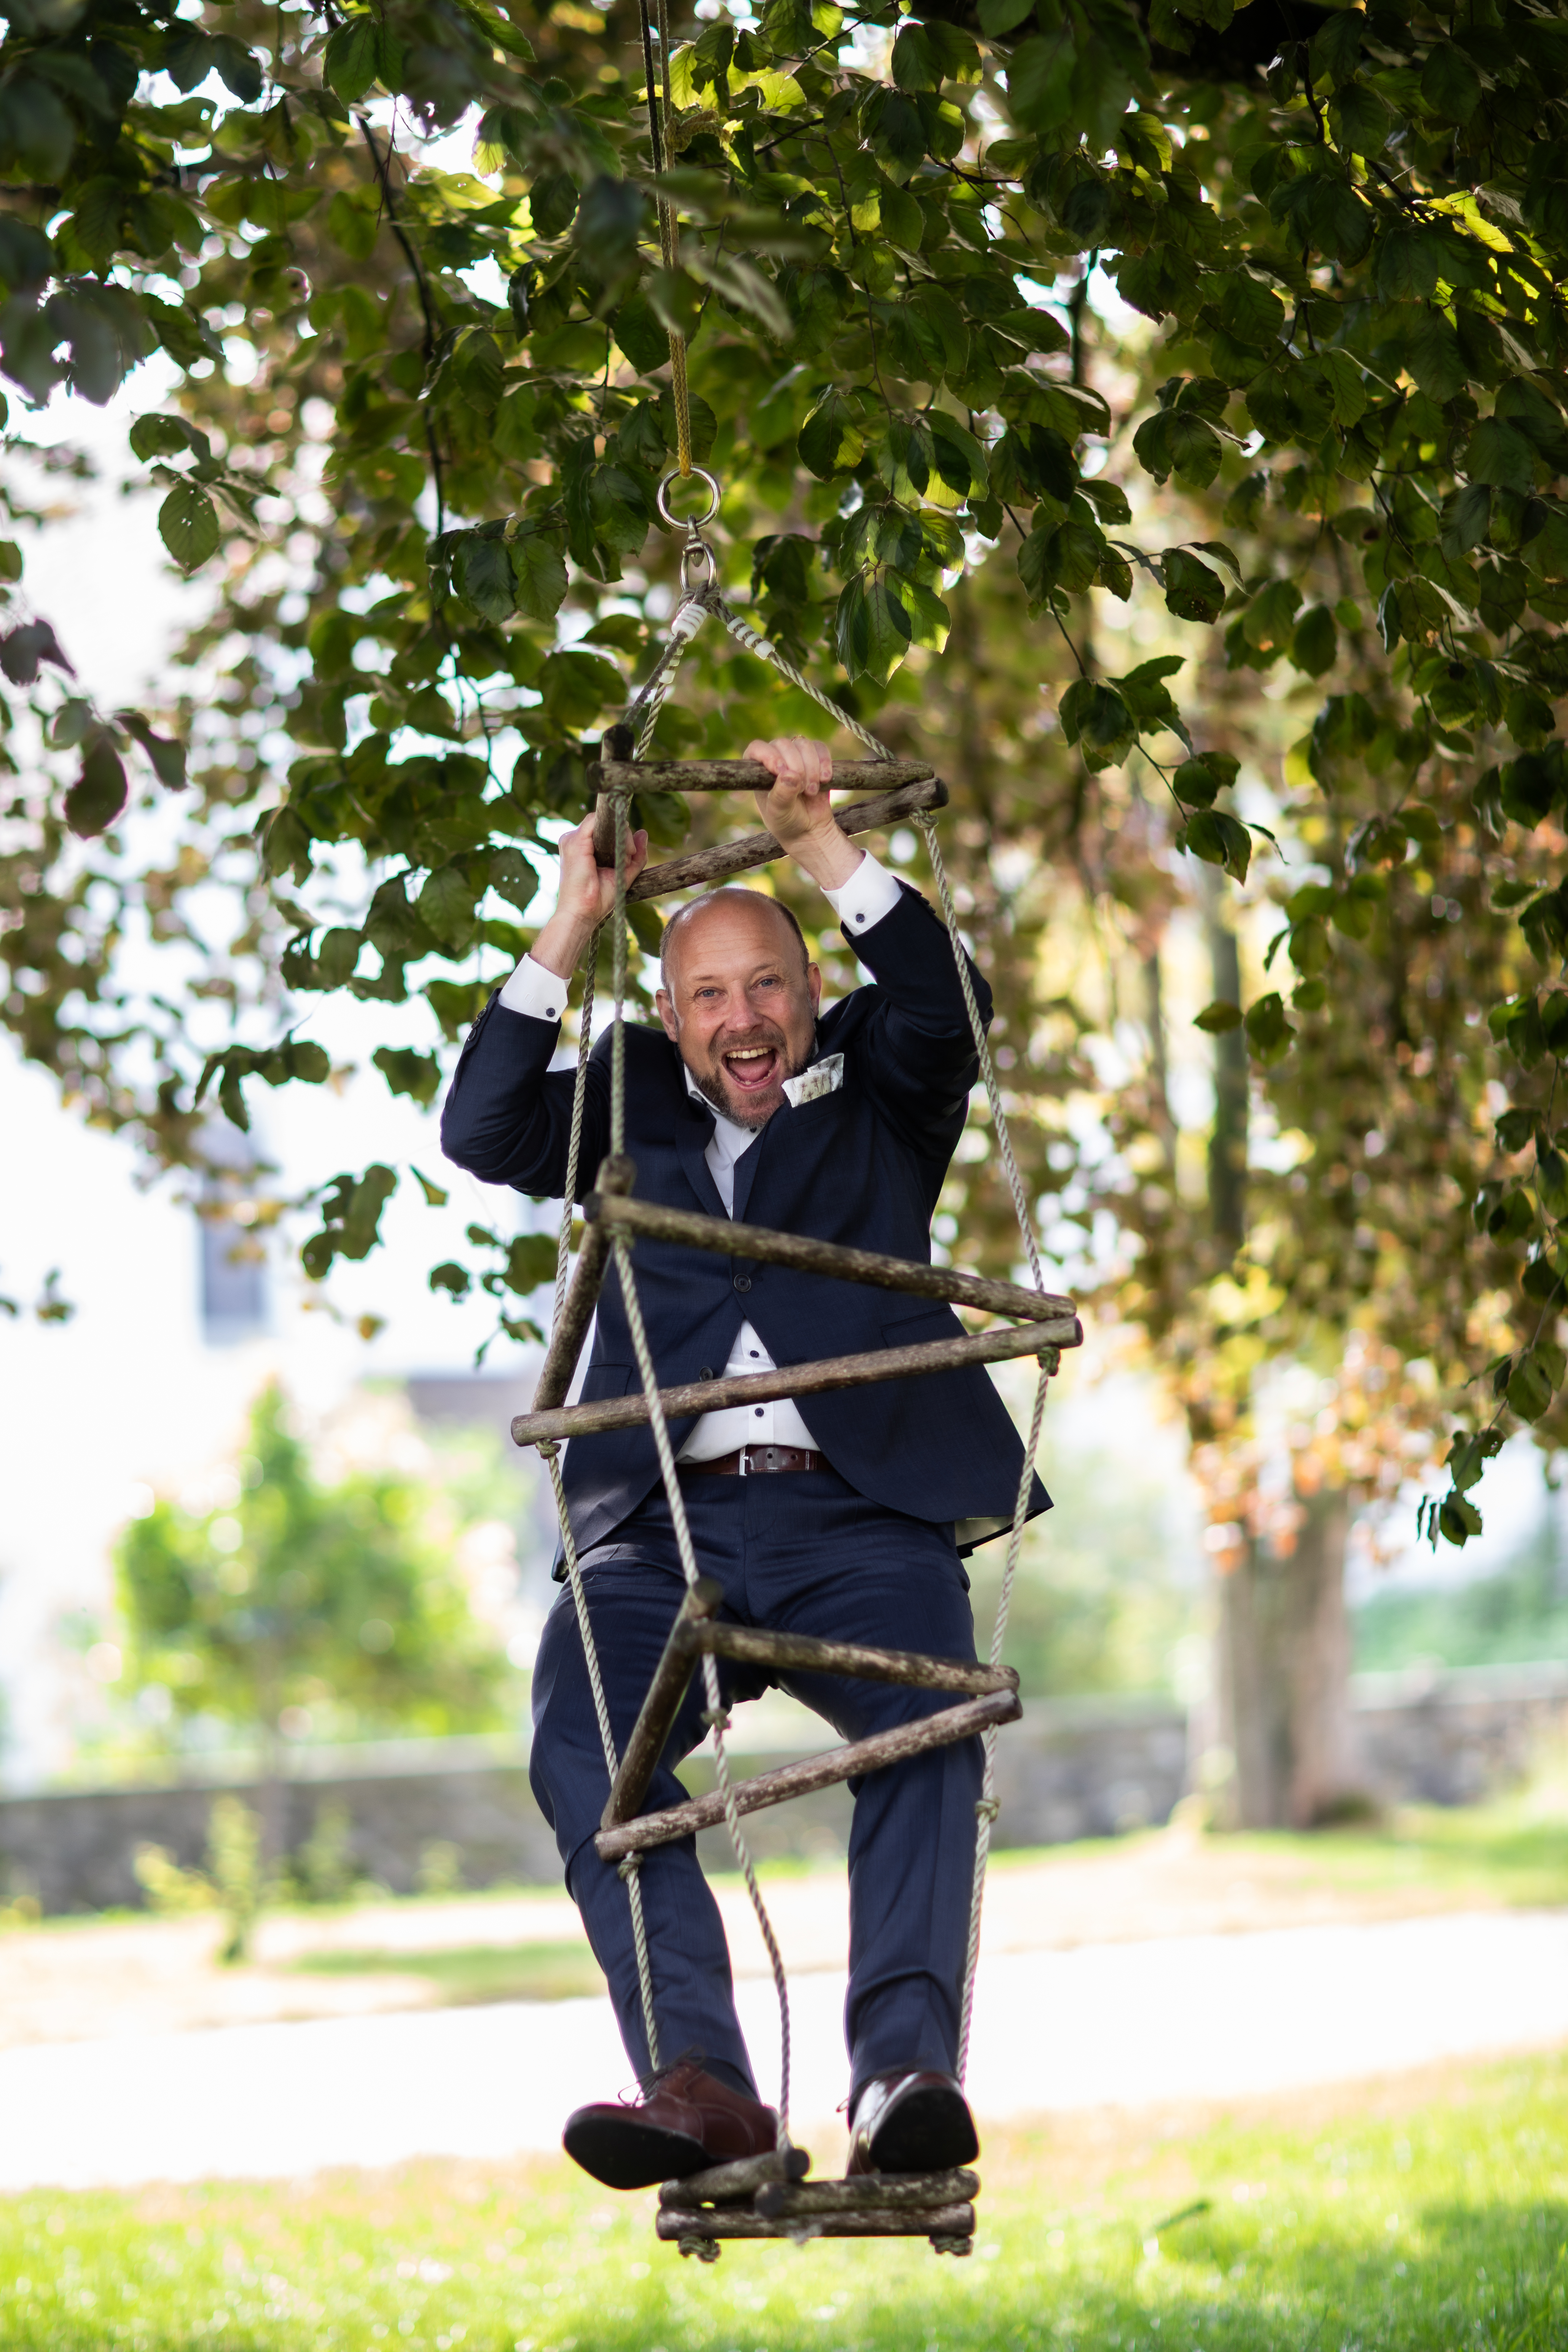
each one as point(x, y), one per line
point(746, 1169)
point(693, 1128)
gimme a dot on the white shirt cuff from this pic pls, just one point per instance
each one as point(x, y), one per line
point(541, 994)
point(871, 893)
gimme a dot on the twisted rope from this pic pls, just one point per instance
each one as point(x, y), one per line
point(671, 1477)
point(642, 717)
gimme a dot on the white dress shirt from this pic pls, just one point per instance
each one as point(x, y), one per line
point(871, 893)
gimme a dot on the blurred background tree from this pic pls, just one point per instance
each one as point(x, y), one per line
point(308, 1597)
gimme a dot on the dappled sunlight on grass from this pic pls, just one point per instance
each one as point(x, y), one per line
point(1425, 2215)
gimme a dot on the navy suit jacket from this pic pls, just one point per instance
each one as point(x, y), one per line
point(863, 1166)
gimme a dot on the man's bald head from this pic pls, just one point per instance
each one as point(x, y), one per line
point(730, 897)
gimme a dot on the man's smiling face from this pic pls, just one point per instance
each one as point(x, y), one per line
point(740, 1001)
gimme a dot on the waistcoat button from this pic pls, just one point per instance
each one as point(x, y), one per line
point(742, 1282)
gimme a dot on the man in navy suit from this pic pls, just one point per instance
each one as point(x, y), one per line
point(750, 1103)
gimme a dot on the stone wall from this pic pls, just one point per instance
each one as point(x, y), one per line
point(1072, 1768)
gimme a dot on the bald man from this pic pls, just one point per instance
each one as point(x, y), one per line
point(750, 1101)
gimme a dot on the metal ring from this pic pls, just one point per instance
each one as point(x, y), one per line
point(698, 474)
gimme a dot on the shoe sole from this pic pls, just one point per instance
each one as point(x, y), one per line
point(627, 2154)
point(928, 2131)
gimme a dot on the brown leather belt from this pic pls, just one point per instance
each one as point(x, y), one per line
point(760, 1461)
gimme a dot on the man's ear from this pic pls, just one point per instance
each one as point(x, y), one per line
point(814, 983)
point(665, 1006)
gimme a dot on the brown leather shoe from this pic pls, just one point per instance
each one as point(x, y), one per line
point(683, 2121)
point(911, 2122)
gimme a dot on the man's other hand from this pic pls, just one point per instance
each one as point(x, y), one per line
point(584, 897)
point(799, 809)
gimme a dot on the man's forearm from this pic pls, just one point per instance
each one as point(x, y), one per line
point(826, 854)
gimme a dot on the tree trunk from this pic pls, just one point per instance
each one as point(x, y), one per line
point(1227, 1142)
point(1284, 1677)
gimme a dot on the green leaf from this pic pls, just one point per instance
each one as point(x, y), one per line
point(1268, 620)
point(999, 17)
point(553, 204)
point(539, 574)
point(640, 334)
point(351, 55)
point(1450, 86)
point(188, 526)
point(1040, 80)
point(1217, 1017)
point(831, 441)
point(1196, 784)
point(1218, 840)
point(436, 1196)
point(1192, 593)
point(446, 906)
point(238, 70)
point(1269, 1031)
point(1532, 1381)
point(1358, 120)
point(166, 757)
point(482, 575)
point(1314, 647)
point(1501, 454)
point(1408, 264)
point(99, 791)
point(1251, 311)
point(872, 629)
point(167, 436)
point(418, 1075)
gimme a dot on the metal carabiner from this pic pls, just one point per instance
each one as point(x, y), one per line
point(696, 551)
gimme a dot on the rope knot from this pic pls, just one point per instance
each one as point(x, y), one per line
point(627, 1871)
point(986, 1808)
point(716, 1718)
point(547, 1449)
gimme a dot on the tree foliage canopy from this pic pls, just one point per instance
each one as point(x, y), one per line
point(419, 411)
point(305, 1595)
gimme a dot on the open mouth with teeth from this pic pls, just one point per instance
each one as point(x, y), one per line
point(754, 1070)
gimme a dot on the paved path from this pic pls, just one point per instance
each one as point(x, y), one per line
point(1175, 2018)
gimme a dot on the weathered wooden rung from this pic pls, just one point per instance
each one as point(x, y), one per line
point(890, 2193)
point(804, 1254)
point(748, 2176)
point(935, 2221)
point(699, 866)
point(776, 1788)
point(660, 1707)
point(762, 1645)
point(696, 1630)
point(616, 1175)
point(745, 775)
point(634, 1411)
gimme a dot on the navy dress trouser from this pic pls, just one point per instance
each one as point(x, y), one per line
point(802, 1552)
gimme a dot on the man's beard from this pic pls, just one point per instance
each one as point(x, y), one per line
point(710, 1084)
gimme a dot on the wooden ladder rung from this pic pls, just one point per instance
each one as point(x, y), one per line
point(547, 1420)
point(933, 2222)
point(743, 775)
point(900, 2192)
point(743, 2177)
point(690, 1230)
point(701, 866)
point(696, 1630)
point(776, 1788)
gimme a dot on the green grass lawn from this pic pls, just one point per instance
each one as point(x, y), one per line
point(1432, 2216)
point(476, 1973)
